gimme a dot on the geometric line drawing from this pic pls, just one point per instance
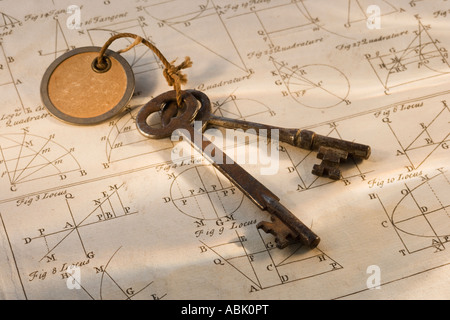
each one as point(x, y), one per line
point(139, 57)
point(108, 208)
point(316, 86)
point(299, 20)
point(241, 109)
point(60, 45)
point(265, 266)
point(205, 12)
point(421, 218)
point(27, 157)
point(421, 59)
point(125, 142)
point(7, 21)
point(427, 137)
point(114, 288)
point(356, 10)
point(203, 193)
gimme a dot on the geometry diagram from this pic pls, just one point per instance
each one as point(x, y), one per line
point(11, 99)
point(195, 26)
point(421, 218)
point(290, 17)
point(241, 109)
point(70, 224)
point(140, 57)
point(125, 142)
point(317, 86)
point(419, 141)
point(25, 157)
point(204, 193)
point(264, 265)
point(7, 21)
point(421, 59)
point(357, 10)
point(282, 19)
point(118, 285)
point(57, 42)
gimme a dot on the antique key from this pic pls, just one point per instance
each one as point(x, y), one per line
point(331, 150)
point(285, 226)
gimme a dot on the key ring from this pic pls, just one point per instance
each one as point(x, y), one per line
point(188, 112)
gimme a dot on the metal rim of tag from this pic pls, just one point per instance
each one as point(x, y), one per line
point(91, 120)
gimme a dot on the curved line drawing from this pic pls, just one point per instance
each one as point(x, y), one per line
point(304, 80)
point(410, 193)
point(128, 295)
point(24, 170)
point(104, 272)
point(209, 196)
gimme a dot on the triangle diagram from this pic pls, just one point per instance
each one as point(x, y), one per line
point(7, 21)
point(191, 26)
point(431, 137)
point(57, 43)
point(237, 259)
point(61, 243)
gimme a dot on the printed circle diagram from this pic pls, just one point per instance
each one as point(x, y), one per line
point(424, 212)
point(318, 86)
point(203, 193)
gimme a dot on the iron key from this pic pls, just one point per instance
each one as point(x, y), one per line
point(331, 150)
point(285, 226)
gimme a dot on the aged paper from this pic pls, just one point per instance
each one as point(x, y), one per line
point(102, 212)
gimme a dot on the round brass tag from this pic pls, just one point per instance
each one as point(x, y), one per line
point(74, 90)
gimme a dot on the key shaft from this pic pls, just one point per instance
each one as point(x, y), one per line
point(285, 226)
point(291, 230)
point(304, 139)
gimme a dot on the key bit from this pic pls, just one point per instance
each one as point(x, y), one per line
point(285, 227)
point(283, 235)
point(331, 158)
point(331, 150)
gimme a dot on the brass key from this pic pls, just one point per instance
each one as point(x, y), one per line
point(285, 226)
point(331, 150)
